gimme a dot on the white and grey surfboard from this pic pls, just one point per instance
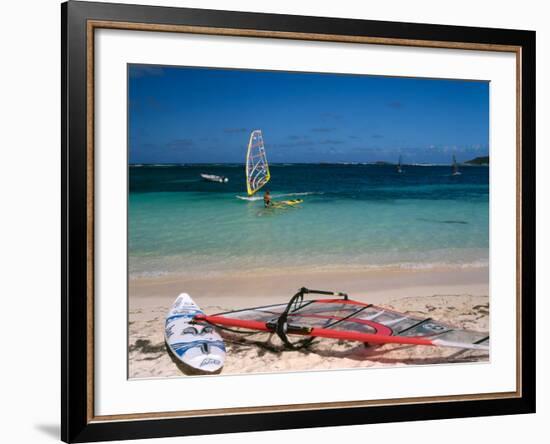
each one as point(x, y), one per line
point(197, 346)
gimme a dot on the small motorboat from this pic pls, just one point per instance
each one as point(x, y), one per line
point(214, 178)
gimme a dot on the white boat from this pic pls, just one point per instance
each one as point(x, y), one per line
point(214, 178)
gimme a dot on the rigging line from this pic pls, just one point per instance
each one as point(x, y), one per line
point(302, 306)
point(418, 324)
point(240, 332)
point(260, 308)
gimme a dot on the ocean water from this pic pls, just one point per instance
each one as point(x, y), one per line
point(352, 216)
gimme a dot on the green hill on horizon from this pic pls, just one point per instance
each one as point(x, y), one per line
point(482, 160)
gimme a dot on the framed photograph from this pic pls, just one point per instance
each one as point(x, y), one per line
point(276, 221)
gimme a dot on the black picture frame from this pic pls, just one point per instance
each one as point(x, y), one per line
point(77, 424)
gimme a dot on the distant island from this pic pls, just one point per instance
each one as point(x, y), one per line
point(483, 160)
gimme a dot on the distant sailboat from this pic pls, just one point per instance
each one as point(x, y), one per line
point(399, 169)
point(455, 167)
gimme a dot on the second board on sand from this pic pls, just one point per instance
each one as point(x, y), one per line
point(197, 348)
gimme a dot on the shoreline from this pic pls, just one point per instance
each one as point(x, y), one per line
point(277, 269)
point(376, 285)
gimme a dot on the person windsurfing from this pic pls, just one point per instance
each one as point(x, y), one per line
point(267, 199)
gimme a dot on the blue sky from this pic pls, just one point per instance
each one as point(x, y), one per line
point(202, 115)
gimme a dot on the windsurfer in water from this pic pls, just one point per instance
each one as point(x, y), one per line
point(267, 199)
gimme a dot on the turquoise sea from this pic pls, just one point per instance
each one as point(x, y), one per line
point(353, 215)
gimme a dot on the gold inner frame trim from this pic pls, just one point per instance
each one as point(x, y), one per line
point(92, 25)
point(299, 407)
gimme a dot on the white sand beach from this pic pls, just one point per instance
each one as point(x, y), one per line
point(455, 296)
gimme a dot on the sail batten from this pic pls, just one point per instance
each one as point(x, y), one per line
point(257, 168)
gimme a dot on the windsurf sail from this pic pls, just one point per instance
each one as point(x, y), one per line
point(455, 167)
point(339, 317)
point(399, 169)
point(257, 168)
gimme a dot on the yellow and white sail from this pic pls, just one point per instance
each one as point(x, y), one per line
point(257, 168)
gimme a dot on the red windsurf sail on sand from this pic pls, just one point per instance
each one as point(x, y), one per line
point(339, 317)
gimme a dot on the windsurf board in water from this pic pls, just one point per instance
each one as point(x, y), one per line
point(195, 345)
point(286, 203)
point(250, 198)
point(276, 196)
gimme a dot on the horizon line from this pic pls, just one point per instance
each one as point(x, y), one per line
point(374, 163)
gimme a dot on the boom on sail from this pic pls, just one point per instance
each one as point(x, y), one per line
point(257, 168)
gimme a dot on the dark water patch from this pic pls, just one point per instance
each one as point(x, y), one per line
point(459, 222)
